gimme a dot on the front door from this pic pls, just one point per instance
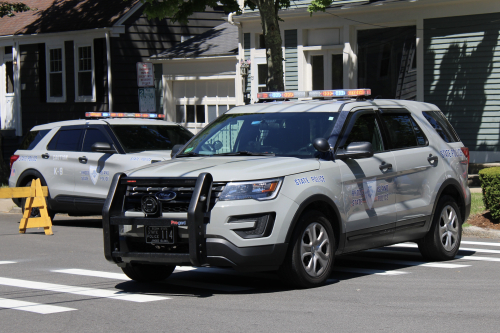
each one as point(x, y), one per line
point(7, 90)
point(368, 186)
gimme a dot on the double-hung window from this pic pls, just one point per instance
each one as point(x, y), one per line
point(84, 74)
point(55, 79)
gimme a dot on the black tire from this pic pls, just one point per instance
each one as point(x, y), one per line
point(442, 242)
point(148, 273)
point(307, 269)
point(35, 212)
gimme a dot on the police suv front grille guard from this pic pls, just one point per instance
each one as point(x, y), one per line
point(198, 209)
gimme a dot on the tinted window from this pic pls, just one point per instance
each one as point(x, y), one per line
point(66, 140)
point(403, 131)
point(366, 129)
point(441, 125)
point(92, 136)
point(32, 139)
point(150, 137)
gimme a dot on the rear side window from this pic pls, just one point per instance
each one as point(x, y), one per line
point(403, 131)
point(32, 139)
point(66, 140)
point(439, 122)
point(92, 136)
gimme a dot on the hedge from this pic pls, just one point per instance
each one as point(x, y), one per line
point(490, 183)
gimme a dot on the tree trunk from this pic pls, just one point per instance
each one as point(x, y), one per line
point(272, 37)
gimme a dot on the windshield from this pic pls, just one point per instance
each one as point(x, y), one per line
point(135, 138)
point(279, 134)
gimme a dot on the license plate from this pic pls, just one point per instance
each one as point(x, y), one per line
point(160, 235)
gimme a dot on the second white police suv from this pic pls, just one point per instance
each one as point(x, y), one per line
point(287, 186)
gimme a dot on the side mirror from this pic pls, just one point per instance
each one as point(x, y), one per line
point(175, 149)
point(103, 147)
point(356, 150)
point(321, 145)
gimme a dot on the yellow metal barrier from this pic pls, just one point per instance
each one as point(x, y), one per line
point(35, 198)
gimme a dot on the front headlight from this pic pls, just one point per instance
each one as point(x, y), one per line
point(258, 189)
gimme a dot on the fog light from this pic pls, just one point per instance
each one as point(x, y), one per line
point(263, 225)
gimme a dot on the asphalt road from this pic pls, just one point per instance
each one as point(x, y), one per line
point(62, 283)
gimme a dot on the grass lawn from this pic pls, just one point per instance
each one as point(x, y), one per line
point(477, 205)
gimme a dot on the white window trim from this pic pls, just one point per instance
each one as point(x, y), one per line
point(84, 99)
point(49, 47)
point(327, 66)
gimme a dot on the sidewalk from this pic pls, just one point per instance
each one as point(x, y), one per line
point(8, 206)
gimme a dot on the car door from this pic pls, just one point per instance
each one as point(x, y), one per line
point(62, 155)
point(367, 185)
point(96, 170)
point(417, 165)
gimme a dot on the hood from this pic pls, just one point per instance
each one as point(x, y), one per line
point(228, 168)
point(163, 155)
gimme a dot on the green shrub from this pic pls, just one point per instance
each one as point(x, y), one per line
point(490, 183)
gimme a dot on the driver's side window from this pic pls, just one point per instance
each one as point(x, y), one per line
point(366, 129)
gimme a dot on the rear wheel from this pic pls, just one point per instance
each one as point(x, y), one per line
point(443, 239)
point(310, 257)
point(35, 212)
point(148, 273)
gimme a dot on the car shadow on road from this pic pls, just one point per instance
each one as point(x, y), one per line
point(206, 284)
point(80, 222)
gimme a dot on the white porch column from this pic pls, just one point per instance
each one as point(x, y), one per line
point(420, 59)
point(17, 115)
point(350, 57)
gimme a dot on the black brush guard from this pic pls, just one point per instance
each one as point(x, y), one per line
point(113, 216)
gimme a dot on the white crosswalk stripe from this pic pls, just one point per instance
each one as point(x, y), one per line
point(84, 291)
point(193, 284)
point(7, 262)
point(407, 262)
point(366, 271)
point(32, 307)
point(480, 243)
point(461, 248)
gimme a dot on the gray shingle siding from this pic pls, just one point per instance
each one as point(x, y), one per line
point(291, 64)
point(462, 75)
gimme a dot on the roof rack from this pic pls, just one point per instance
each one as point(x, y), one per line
point(123, 115)
point(336, 93)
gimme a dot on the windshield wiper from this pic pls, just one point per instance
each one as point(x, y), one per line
point(244, 153)
point(189, 154)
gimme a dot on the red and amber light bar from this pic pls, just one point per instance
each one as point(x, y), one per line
point(339, 93)
point(123, 115)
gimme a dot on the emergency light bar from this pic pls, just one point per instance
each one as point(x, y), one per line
point(282, 94)
point(340, 93)
point(123, 115)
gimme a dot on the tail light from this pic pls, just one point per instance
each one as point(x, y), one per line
point(465, 150)
point(13, 158)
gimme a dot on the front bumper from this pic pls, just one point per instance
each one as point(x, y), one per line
point(200, 249)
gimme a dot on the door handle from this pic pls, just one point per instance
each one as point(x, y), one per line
point(432, 158)
point(384, 166)
point(83, 159)
point(45, 156)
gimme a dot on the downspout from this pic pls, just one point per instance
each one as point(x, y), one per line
point(17, 90)
point(108, 56)
point(230, 19)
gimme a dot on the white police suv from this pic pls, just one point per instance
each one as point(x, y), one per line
point(287, 186)
point(77, 159)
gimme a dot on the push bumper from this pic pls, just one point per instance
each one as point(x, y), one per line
point(202, 251)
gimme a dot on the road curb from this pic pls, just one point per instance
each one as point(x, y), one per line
point(474, 231)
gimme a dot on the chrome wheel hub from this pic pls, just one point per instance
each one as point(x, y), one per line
point(315, 249)
point(448, 228)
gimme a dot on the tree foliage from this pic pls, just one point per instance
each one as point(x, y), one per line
point(9, 8)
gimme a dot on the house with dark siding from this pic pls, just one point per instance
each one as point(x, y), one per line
point(445, 52)
point(69, 57)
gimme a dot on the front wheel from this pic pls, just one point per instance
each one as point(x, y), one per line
point(443, 239)
point(310, 257)
point(148, 273)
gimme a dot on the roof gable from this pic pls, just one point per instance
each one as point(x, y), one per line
point(219, 41)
